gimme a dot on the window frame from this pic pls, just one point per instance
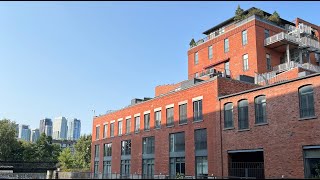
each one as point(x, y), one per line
point(246, 111)
point(183, 118)
point(245, 62)
point(244, 37)
point(137, 124)
point(170, 117)
point(146, 128)
point(210, 52)
point(269, 65)
point(310, 107)
point(156, 119)
point(263, 107)
point(196, 58)
point(226, 45)
point(226, 122)
point(120, 128)
point(197, 113)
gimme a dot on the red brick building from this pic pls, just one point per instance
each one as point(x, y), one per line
point(249, 108)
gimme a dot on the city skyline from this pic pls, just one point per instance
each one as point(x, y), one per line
point(86, 45)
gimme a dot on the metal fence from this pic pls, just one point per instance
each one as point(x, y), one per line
point(247, 169)
point(22, 175)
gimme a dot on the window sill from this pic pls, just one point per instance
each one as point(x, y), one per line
point(197, 121)
point(136, 132)
point(181, 124)
point(307, 118)
point(241, 130)
point(157, 128)
point(119, 135)
point(170, 126)
point(229, 128)
point(147, 130)
point(261, 124)
point(127, 133)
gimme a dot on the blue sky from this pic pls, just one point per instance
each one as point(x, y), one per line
point(68, 58)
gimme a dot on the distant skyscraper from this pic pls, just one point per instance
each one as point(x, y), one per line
point(35, 135)
point(24, 132)
point(46, 126)
point(60, 128)
point(74, 127)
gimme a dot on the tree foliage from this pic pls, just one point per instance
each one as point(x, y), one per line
point(275, 17)
point(192, 42)
point(80, 160)
point(13, 150)
point(239, 14)
point(8, 141)
point(255, 11)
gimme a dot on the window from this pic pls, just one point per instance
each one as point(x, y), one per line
point(97, 132)
point(226, 45)
point(148, 168)
point(107, 149)
point(306, 101)
point(200, 139)
point(260, 105)
point(147, 121)
point(245, 62)
point(125, 168)
point(148, 145)
point(170, 116)
point(157, 119)
point(269, 67)
point(96, 169)
point(201, 167)
point(266, 33)
point(228, 115)
point(311, 162)
point(197, 110)
point(128, 125)
point(243, 114)
point(177, 166)
point(126, 147)
point(105, 130)
point(112, 130)
point(137, 124)
point(210, 52)
point(119, 128)
point(196, 58)
point(177, 142)
point(244, 38)
point(96, 150)
point(106, 169)
point(227, 68)
point(183, 113)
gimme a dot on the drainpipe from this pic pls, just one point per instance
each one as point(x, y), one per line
point(221, 140)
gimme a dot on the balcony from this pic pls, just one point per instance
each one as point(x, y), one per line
point(212, 72)
point(278, 41)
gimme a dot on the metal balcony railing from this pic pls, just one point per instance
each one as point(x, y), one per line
point(211, 73)
point(285, 66)
point(279, 37)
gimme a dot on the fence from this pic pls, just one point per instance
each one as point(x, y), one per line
point(22, 175)
point(247, 169)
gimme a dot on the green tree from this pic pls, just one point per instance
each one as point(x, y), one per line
point(83, 152)
point(44, 150)
point(255, 11)
point(8, 141)
point(192, 43)
point(66, 159)
point(275, 17)
point(238, 14)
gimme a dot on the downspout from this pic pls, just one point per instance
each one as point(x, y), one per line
point(221, 154)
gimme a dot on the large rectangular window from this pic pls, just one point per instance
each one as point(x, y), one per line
point(183, 113)
point(260, 109)
point(107, 149)
point(96, 150)
point(147, 121)
point(244, 37)
point(170, 116)
point(228, 115)
point(245, 62)
point(226, 45)
point(106, 170)
point(312, 163)
point(119, 128)
point(200, 139)
point(243, 117)
point(177, 166)
point(105, 130)
point(201, 167)
point(137, 124)
point(196, 58)
point(125, 168)
point(112, 130)
point(148, 145)
point(148, 168)
point(128, 125)
point(197, 110)
point(97, 132)
point(266, 33)
point(126, 147)
point(157, 119)
point(210, 52)
point(177, 142)
point(306, 101)
point(269, 66)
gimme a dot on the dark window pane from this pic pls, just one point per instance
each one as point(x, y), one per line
point(200, 139)
point(243, 114)
point(306, 101)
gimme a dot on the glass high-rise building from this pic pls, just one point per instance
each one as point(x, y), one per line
point(46, 126)
point(74, 128)
point(60, 128)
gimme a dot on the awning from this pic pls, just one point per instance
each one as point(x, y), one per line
point(245, 150)
point(216, 63)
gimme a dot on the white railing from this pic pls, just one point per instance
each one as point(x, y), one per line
point(279, 37)
point(264, 77)
point(285, 66)
point(308, 42)
point(311, 67)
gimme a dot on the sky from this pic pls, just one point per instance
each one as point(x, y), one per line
point(70, 58)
